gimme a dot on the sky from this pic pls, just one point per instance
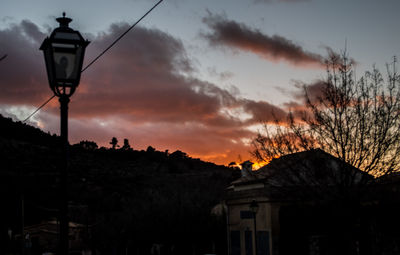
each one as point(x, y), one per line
point(196, 76)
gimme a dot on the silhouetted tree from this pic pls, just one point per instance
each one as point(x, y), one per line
point(114, 143)
point(126, 145)
point(88, 145)
point(355, 121)
point(150, 149)
point(178, 154)
point(358, 122)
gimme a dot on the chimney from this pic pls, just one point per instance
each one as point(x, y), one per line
point(247, 169)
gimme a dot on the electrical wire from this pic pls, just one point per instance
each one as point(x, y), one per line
point(40, 107)
point(101, 54)
point(122, 35)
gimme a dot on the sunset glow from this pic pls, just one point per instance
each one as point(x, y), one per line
point(195, 76)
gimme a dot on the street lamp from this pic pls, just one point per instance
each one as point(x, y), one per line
point(63, 53)
point(254, 209)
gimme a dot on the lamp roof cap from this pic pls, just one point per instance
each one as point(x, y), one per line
point(64, 21)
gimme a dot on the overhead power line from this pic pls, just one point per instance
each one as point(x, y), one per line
point(101, 54)
point(40, 107)
point(122, 35)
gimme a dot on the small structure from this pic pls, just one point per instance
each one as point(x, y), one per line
point(247, 170)
point(296, 179)
point(44, 236)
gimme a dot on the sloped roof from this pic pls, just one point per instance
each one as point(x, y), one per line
point(313, 167)
point(307, 175)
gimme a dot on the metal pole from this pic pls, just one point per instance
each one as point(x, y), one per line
point(255, 232)
point(63, 245)
point(228, 232)
point(22, 224)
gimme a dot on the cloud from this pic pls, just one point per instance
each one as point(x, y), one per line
point(142, 89)
point(314, 90)
point(222, 76)
point(315, 93)
point(238, 36)
point(23, 79)
point(258, 110)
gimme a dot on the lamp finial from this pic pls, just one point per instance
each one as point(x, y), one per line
point(64, 21)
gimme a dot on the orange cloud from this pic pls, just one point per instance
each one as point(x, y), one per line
point(138, 91)
point(229, 33)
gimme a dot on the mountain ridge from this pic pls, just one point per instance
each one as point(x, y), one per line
point(125, 191)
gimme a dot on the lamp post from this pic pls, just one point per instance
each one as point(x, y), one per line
point(254, 209)
point(63, 52)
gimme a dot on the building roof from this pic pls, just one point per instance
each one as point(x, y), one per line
point(308, 170)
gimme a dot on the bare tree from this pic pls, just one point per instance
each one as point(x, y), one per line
point(357, 121)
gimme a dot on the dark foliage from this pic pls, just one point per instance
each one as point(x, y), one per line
point(130, 199)
point(126, 145)
point(114, 143)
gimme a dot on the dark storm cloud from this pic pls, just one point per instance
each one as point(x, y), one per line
point(229, 33)
point(23, 79)
point(258, 110)
point(142, 89)
point(314, 90)
point(141, 78)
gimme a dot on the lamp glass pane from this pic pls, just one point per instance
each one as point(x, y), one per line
point(65, 61)
point(48, 60)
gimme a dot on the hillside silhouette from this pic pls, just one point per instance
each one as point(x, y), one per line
point(127, 198)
